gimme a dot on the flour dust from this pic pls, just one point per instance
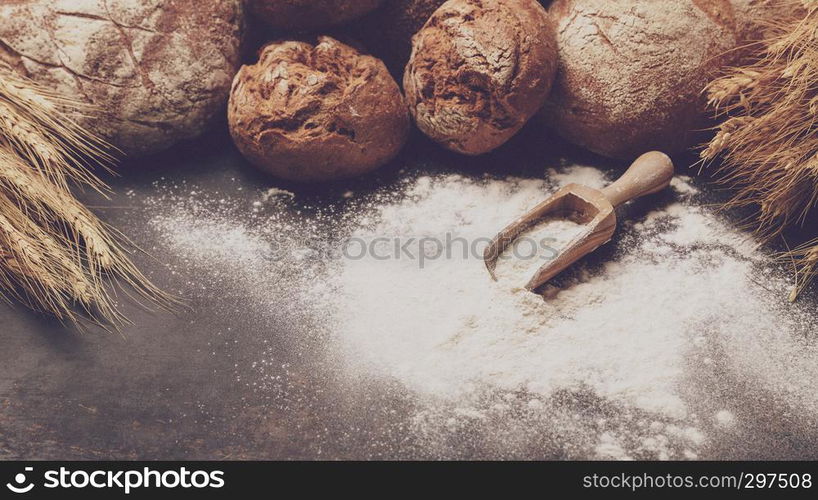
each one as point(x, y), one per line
point(641, 351)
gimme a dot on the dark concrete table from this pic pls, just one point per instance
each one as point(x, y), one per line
point(167, 388)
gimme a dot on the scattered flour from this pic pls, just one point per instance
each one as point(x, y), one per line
point(272, 194)
point(725, 419)
point(447, 326)
point(684, 185)
point(275, 192)
point(577, 174)
point(619, 364)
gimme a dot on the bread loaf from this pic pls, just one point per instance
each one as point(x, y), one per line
point(479, 69)
point(314, 112)
point(753, 17)
point(159, 71)
point(632, 72)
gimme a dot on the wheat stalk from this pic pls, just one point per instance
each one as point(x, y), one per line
point(23, 123)
point(55, 255)
point(768, 142)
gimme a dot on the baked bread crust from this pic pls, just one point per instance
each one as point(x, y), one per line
point(632, 73)
point(314, 112)
point(157, 71)
point(479, 69)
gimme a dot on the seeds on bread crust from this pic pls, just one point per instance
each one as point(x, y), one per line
point(309, 112)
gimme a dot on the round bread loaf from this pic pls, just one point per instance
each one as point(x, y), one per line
point(754, 17)
point(388, 30)
point(158, 71)
point(479, 69)
point(632, 73)
point(309, 112)
point(303, 15)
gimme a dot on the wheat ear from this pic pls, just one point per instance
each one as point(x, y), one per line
point(55, 254)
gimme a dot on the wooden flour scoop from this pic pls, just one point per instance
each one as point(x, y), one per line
point(650, 173)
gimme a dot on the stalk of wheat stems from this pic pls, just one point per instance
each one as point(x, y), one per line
point(55, 255)
point(768, 141)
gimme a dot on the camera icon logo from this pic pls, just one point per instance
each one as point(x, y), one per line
point(21, 485)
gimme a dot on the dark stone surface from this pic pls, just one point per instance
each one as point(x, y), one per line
point(167, 388)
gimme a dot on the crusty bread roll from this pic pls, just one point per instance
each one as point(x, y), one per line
point(632, 72)
point(479, 69)
point(754, 17)
point(157, 72)
point(301, 15)
point(309, 112)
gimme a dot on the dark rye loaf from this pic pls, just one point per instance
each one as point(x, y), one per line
point(158, 70)
point(479, 69)
point(314, 112)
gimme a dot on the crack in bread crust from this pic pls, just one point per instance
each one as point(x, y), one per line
point(479, 70)
point(159, 70)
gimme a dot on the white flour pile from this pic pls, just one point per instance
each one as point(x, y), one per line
point(447, 329)
point(533, 249)
point(624, 362)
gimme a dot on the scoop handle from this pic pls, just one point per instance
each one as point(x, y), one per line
point(648, 174)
